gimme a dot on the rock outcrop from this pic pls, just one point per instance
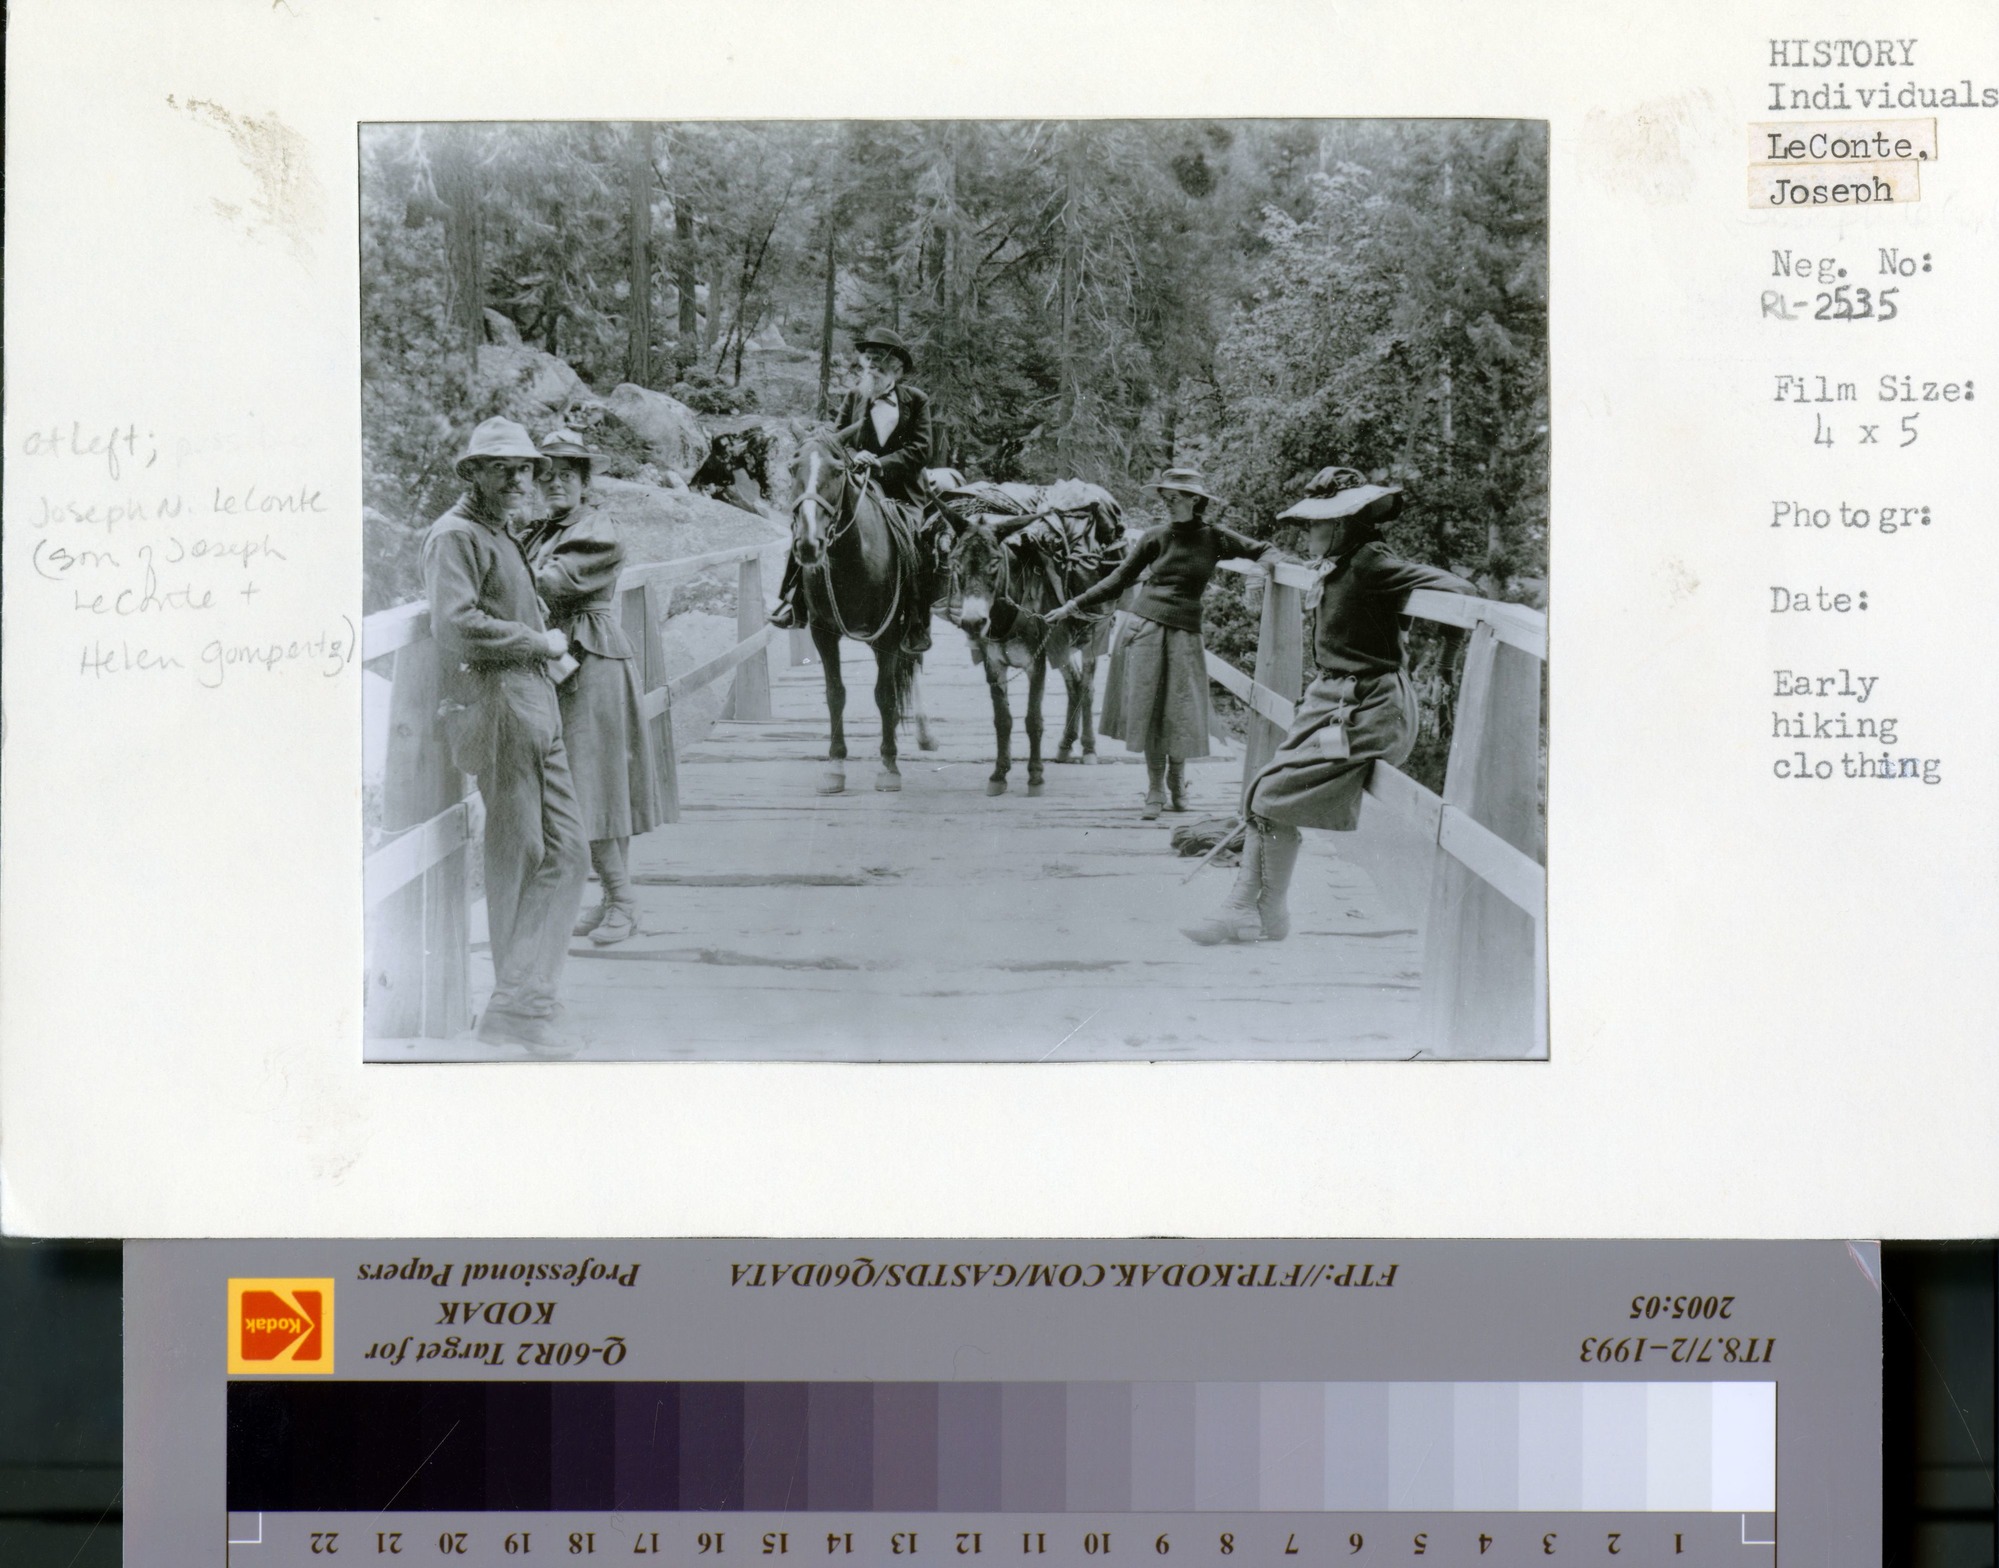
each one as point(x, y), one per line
point(669, 430)
point(528, 375)
point(501, 329)
point(658, 524)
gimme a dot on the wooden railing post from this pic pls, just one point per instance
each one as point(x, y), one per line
point(1280, 665)
point(643, 610)
point(751, 696)
point(418, 970)
point(779, 651)
point(1482, 954)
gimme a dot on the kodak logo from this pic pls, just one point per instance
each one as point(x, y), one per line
point(280, 1325)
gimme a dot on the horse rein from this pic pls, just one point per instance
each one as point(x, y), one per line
point(844, 523)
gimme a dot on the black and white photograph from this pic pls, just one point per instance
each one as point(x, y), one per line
point(955, 591)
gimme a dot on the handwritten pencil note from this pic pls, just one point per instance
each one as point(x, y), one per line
point(164, 563)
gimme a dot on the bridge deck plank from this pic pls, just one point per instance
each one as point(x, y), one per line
point(941, 924)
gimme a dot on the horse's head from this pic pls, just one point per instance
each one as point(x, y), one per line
point(979, 570)
point(819, 478)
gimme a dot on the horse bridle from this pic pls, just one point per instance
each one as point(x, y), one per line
point(1003, 583)
point(954, 593)
point(844, 523)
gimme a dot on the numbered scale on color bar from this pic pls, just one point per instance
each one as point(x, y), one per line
point(1043, 1474)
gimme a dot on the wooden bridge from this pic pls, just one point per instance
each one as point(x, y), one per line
point(939, 924)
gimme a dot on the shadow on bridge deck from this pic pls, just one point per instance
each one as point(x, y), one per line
point(940, 924)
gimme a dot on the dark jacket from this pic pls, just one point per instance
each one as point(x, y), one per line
point(906, 452)
point(1182, 558)
point(1359, 626)
point(576, 563)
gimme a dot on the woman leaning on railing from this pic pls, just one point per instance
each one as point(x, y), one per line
point(1361, 708)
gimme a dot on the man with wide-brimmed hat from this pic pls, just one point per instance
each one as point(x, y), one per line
point(576, 557)
point(886, 422)
point(500, 662)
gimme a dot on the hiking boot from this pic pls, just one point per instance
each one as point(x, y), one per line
point(1239, 919)
point(1155, 793)
point(541, 1037)
point(620, 924)
point(1279, 859)
point(592, 919)
point(1176, 784)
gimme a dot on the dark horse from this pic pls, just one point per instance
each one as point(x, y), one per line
point(861, 579)
point(1006, 575)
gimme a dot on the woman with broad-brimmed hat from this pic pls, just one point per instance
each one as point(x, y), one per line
point(576, 557)
point(1163, 708)
point(1360, 709)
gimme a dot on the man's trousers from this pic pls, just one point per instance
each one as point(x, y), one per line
point(536, 856)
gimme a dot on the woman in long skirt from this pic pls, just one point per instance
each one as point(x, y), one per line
point(1162, 706)
point(576, 557)
point(1361, 708)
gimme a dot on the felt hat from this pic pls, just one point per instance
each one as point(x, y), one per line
point(1334, 479)
point(1370, 503)
point(564, 445)
point(1191, 480)
point(883, 338)
point(496, 438)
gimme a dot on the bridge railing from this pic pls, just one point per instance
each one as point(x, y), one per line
point(416, 886)
point(1485, 935)
point(1485, 945)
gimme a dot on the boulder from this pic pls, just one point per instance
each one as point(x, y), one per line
point(528, 375)
point(784, 435)
point(658, 524)
point(671, 433)
point(501, 330)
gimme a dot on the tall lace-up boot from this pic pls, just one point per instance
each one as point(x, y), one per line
point(1239, 919)
point(1155, 787)
point(1176, 784)
point(1279, 860)
point(621, 913)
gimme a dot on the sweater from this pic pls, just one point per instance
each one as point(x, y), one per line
point(1359, 626)
point(1182, 558)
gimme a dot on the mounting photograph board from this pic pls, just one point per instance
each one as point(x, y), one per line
point(1760, 907)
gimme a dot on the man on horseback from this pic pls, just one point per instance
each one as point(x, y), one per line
point(885, 422)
